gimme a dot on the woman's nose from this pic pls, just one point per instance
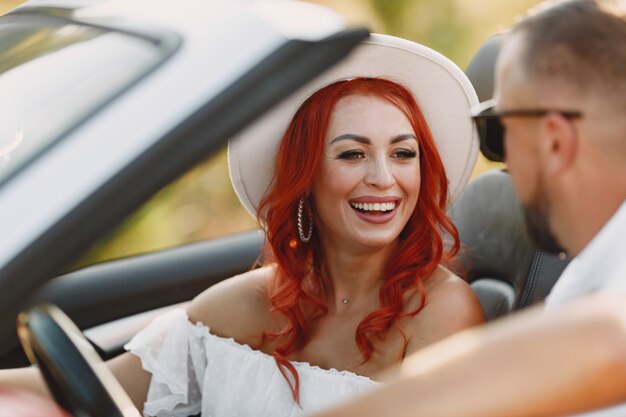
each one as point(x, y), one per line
point(379, 174)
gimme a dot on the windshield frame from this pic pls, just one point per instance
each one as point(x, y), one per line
point(166, 42)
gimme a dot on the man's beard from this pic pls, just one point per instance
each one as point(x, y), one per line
point(537, 223)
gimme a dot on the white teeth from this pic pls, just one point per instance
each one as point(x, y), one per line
point(374, 206)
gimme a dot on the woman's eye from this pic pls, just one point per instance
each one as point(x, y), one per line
point(351, 155)
point(404, 154)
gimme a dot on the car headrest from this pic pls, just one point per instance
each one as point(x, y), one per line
point(481, 68)
point(498, 258)
point(495, 245)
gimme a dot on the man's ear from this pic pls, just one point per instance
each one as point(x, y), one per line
point(560, 145)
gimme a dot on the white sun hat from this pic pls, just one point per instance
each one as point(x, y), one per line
point(443, 92)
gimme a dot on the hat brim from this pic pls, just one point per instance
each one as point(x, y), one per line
point(443, 92)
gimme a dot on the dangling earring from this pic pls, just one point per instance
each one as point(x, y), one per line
point(304, 238)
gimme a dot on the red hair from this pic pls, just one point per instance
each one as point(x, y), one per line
point(294, 292)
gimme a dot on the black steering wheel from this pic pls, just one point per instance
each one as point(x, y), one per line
point(76, 376)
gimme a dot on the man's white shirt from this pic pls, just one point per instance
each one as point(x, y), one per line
point(600, 267)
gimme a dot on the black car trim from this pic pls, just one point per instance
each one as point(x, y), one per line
point(117, 289)
point(141, 283)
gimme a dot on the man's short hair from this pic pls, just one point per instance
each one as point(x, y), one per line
point(582, 42)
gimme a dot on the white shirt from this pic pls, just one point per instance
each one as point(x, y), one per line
point(600, 267)
point(195, 371)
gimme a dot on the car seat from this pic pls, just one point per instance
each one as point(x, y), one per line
point(503, 266)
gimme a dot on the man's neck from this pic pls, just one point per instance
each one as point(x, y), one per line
point(591, 221)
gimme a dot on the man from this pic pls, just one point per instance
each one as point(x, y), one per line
point(561, 88)
point(561, 98)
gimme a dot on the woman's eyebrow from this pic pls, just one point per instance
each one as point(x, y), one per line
point(351, 136)
point(363, 139)
point(400, 138)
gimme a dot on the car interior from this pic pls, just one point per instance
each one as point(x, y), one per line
point(110, 301)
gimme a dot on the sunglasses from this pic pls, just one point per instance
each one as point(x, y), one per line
point(491, 130)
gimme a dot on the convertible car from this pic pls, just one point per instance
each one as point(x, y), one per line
point(105, 103)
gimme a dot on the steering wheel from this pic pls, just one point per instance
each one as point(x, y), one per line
point(76, 376)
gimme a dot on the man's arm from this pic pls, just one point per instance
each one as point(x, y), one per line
point(530, 364)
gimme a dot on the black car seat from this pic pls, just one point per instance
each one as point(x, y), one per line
point(504, 268)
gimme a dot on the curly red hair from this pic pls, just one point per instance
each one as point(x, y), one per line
point(421, 247)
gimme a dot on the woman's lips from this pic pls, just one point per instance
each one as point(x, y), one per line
point(375, 211)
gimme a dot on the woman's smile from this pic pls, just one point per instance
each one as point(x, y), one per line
point(375, 210)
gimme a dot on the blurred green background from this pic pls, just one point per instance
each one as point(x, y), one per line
point(202, 204)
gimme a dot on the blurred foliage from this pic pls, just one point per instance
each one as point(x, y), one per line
point(8, 5)
point(198, 206)
point(202, 204)
point(391, 13)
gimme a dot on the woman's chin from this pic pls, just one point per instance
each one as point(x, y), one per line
point(377, 241)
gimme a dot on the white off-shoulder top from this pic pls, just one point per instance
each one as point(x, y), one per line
point(194, 371)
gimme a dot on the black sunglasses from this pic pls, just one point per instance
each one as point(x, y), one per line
point(491, 129)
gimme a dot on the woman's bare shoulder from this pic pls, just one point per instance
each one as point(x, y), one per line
point(237, 307)
point(444, 282)
point(451, 306)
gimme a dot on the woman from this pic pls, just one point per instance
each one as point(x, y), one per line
point(352, 200)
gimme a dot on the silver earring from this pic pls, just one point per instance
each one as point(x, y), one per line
point(304, 238)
